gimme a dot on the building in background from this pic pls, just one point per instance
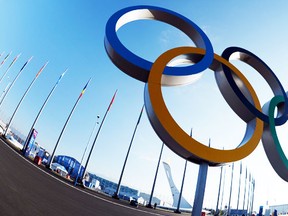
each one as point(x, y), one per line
point(281, 210)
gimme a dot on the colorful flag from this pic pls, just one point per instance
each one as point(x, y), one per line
point(64, 127)
point(26, 63)
point(41, 69)
point(14, 78)
point(9, 65)
point(4, 60)
point(40, 111)
point(112, 100)
point(61, 76)
point(84, 89)
point(14, 60)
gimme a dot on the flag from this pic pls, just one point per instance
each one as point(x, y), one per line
point(9, 65)
point(14, 60)
point(4, 60)
point(140, 115)
point(26, 63)
point(41, 69)
point(61, 76)
point(84, 89)
point(112, 100)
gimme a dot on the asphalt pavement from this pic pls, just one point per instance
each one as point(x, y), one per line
point(26, 189)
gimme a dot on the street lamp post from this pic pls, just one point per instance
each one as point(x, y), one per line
point(96, 123)
point(97, 134)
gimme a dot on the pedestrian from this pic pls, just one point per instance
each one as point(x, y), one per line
point(155, 205)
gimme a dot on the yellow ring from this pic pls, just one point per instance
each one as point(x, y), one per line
point(173, 135)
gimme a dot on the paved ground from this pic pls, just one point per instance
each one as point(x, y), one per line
point(27, 190)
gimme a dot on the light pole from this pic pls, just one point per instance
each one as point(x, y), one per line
point(99, 129)
point(96, 123)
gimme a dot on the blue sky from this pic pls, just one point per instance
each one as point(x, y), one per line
point(71, 34)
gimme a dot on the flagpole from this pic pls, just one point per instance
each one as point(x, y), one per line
point(181, 190)
point(223, 188)
point(76, 179)
point(4, 60)
point(14, 80)
point(116, 194)
point(99, 129)
point(182, 184)
point(248, 197)
point(251, 194)
point(7, 86)
point(253, 190)
point(232, 172)
point(219, 190)
point(239, 185)
point(24, 95)
point(149, 205)
point(11, 64)
point(40, 111)
point(245, 189)
point(64, 127)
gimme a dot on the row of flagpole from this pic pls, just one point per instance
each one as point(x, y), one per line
point(44, 104)
point(29, 87)
point(248, 195)
point(41, 109)
point(66, 123)
point(251, 183)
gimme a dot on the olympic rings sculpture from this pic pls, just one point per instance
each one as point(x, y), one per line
point(233, 85)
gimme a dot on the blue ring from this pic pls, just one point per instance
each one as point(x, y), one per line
point(266, 73)
point(138, 67)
